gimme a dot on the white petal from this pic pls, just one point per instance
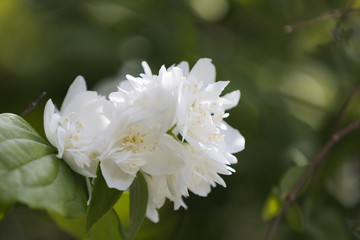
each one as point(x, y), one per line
point(203, 70)
point(184, 66)
point(75, 88)
point(87, 171)
point(234, 141)
point(159, 104)
point(231, 160)
point(230, 100)
point(202, 189)
point(50, 122)
point(146, 68)
point(213, 91)
point(152, 213)
point(60, 141)
point(95, 117)
point(166, 159)
point(114, 176)
point(78, 101)
point(125, 85)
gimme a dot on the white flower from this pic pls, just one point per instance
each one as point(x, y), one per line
point(175, 102)
point(199, 120)
point(169, 126)
point(207, 164)
point(172, 186)
point(79, 130)
point(201, 110)
point(158, 191)
point(157, 92)
point(140, 142)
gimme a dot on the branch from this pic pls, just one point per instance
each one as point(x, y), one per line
point(32, 105)
point(346, 105)
point(318, 158)
point(342, 14)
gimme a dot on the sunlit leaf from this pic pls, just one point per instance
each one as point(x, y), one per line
point(356, 4)
point(102, 200)
point(295, 218)
point(272, 207)
point(30, 172)
point(298, 157)
point(138, 204)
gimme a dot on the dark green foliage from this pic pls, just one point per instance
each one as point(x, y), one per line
point(102, 200)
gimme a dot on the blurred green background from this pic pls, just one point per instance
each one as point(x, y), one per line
point(292, 86)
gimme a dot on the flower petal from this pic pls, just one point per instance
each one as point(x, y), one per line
point(71, 158)
point(234, 141)
point(75, 88)
point(96, 116)
point(213, 91)
point(114, 176)
point(203, 70)
point(78, 101)
point(147, 69)
point(230, 100)
point(184, 66)
point(51, 120)
point(166, 159)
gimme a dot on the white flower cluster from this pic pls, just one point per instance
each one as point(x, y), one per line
point(169, 126)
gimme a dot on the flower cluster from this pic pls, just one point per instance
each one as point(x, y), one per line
point(169, 126)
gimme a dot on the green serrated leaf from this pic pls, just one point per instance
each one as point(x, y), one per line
point(30, 172)
point(272, 207)
point(295, 218)
point(138, 204)
point(289, 180)
point(102, 200)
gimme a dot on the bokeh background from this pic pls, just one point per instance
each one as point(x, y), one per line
point(292, 85)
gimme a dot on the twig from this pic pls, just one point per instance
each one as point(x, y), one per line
point(335, 39)
point(343, 16)
point(32, 105)
point(346, 105)
point(333, 14)
point(320, 156)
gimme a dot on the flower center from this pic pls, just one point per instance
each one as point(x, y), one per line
point(135, 140)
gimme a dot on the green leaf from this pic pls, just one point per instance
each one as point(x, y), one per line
point(4, 208)
point(73, 226)
point(122, 209)
point(138, 204)
point(327, 223)
point(272, 207)
point(102, 200)
point(298, 157)
point(289, 180)
point(30, 172)
point(295, 218)
point(105, 228)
